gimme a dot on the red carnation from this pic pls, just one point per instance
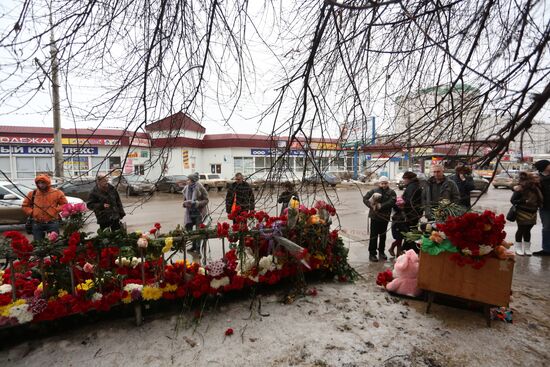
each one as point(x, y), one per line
point(229, 332)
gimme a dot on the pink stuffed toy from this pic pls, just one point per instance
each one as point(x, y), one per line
point(405, 274)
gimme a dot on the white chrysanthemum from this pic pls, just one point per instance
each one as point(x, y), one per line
point(248, 262)
point(254, 279)
point(466, 251)
point(5, 288)
point(484, 249)
point(21, 313)
point(97, 297)
point(135, 262)
point(217, 283)
point(133, 286)
point(266, 264)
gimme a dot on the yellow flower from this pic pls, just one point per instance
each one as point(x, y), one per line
point(127, 299)
point(168, 242)
point(169, 287)
point(61, 293)
point(86, 286)
point(294, 203)
point(39, 286)
point(5, 310)
point(151, 293)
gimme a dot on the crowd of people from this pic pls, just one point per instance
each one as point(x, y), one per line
point(531, 196)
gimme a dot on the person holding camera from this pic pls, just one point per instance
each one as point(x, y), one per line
point(195, 202)
point(104, 200)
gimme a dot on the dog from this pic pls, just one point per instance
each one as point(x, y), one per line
point(374, 201)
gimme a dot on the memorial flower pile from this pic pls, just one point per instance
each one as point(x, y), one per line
point(471, 237)
point(77, 272)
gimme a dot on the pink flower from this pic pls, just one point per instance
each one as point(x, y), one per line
point(142, 242)
point(88, 268)
point(53, 236)
point(81, 207)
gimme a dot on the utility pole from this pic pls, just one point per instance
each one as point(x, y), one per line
point(57, 145)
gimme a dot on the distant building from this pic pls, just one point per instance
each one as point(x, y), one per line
point(438, 114)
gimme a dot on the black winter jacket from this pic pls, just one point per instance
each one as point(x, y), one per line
point(98, 198)
point(412, 196)
point(464, 188)
point(245, 196)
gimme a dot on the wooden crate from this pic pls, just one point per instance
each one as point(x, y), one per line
point(490, 285)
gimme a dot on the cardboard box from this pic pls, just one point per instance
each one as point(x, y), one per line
point(490, 285)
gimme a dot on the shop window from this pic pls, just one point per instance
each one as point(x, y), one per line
point(74, 166)
point(5, 168)
point(215, 168)
point(114, 163)
point(139, 169)
point(99, 165)
point(25, 167)
point(245, 165)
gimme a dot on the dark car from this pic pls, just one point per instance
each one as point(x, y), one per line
point(172, 184)
point(79, 188)
point(324, 178)
point(133, 184)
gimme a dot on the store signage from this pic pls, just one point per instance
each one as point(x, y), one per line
point(67, 141)
point(46, 150)
point(274, 152)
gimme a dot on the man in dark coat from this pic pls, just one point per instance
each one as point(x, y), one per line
point(465, 183)
point(105, 202)
point(437, 189)
point(241, 193)
point(380, 201)
point(412, 207)
point(543, 166)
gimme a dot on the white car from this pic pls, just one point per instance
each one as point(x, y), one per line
point(11, 199)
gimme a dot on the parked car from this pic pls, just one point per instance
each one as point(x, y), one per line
point(133, 184)
point(505, 180)
point(212, 180)
point(11, 199)
point(79, 188)
point(324, 178)
point(256, 180)
point(172, 184)
point(480, 183)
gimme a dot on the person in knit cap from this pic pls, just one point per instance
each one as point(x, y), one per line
point(43, 205)
point(195, 202)
point(380, 201)
point(543, 166)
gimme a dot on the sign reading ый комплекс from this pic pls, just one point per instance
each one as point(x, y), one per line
point(46, 150)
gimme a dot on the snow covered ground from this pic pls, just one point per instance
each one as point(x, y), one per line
point(342, 325)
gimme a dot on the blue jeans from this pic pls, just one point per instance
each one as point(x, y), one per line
point(39, 229)
point(545, 219)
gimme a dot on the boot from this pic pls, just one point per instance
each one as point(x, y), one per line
point(527, 248)
point(519, 248)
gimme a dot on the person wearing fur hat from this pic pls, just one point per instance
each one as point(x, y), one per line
point(380, 201)
point(543, 166)
point(43, 205)
point(195, 202)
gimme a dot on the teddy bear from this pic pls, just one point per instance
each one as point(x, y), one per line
point(405, 274)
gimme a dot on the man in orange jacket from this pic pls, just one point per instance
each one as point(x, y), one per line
point(44, 205)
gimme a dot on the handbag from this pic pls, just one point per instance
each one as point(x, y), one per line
point(30, 220)
point(512, 214)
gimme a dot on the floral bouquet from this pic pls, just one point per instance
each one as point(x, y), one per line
point(73, 214)
point(475, 236)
